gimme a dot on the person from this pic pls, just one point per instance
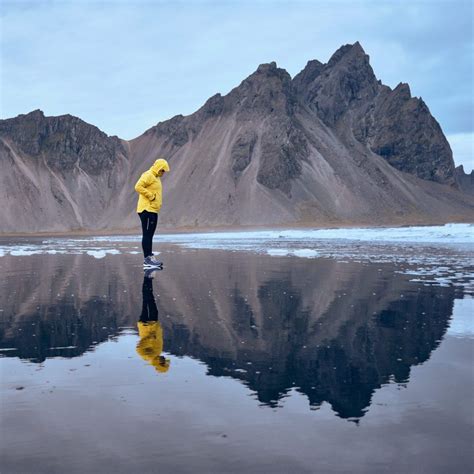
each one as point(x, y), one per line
point(149, 191)
point(150, 332)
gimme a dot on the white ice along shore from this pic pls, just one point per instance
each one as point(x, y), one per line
point(445, 234)
point(442, 255)
point(450, 235)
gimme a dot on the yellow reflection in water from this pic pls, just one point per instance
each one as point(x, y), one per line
point(150, 345)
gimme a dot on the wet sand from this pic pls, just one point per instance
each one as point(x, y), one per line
point(328, 224)
point(251, 363)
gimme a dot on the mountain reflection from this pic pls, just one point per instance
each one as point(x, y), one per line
point(334, 332)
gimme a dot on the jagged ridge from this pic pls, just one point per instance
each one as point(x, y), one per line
point(332, 145)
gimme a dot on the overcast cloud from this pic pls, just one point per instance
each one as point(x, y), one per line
point(126, 65)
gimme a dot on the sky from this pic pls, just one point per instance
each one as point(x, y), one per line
point(125, 65)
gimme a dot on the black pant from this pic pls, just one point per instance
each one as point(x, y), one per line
point(149, 221)
point(149, 309)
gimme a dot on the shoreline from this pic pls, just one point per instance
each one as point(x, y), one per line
point(218, 229)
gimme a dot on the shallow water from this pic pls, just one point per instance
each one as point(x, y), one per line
point(250, 363)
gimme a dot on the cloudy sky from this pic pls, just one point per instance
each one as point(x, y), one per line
point(125, 65)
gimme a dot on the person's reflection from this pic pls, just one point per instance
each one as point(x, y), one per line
point(150, 345)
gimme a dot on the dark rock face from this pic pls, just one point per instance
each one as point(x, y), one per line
point(390, 123)
point(307, 76)
point(213, 106)
point(267, 92)
point(282, 150)
point(405, 133)
point(268, 97)
point(345, 82)
point(64, 142)
point(464, 181)
point(241, 152)
point(211, 110)
point(172, 131)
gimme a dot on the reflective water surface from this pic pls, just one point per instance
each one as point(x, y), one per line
point(229, 362)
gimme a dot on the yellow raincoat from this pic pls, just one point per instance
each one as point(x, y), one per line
point(149, 188)
point(150, 345)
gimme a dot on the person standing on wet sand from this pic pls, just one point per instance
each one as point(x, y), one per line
point(149, 204)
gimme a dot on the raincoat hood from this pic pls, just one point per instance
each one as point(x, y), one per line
point(160, 164)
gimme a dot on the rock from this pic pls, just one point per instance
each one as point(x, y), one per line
point(304, 79)
point(241, 152)
point(282, 150)
point(267, 91)
point(65, 142)
point(345, 82)
point(405, 133)
point(172, 131)
point(465, 181)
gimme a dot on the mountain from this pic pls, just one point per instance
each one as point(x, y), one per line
point(60, 173)
point(331, 146)
point(465, 181)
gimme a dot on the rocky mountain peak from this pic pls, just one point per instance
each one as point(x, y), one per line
point(402, 130)
point(64, 141)
point(305, 77)
point(267, 91)
point(402, 91)
point(37, 114)
point(266, 68)
point(268, 76)
point(345, 82)
point(348, 52)
point(351, 67)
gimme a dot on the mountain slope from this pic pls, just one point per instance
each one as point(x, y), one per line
point(60, 173)
point(331, 146)
point(276, 150)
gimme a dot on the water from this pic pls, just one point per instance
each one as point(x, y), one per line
point(253, 361)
